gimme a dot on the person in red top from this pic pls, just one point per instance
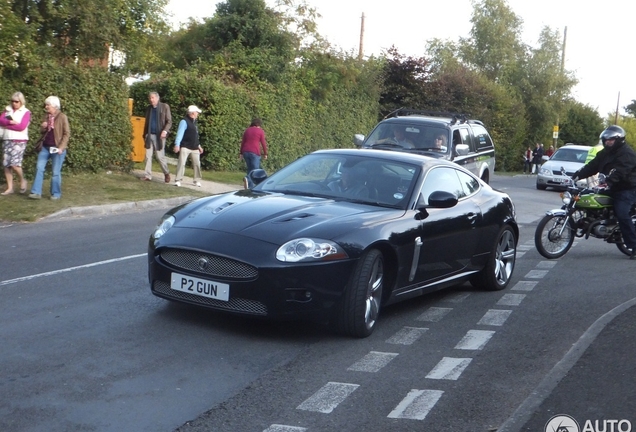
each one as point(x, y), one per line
point(252, 143)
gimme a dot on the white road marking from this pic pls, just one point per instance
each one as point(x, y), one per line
point(416, 405)
point(536, 274)
point(283, 428)
point(546, 264)
point(406, 335)
point(495, 317)
point(434, 314)
point(525, 247)
point(511, 299)
point(328, 397)
point(449, 368)
point(456, 297)
point(524, 286)
point(474, 339)
point(69, 269)
point(372, 362)
point(519, 254)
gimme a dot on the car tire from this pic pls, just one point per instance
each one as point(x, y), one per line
point(360, 307)
point(485, 177)
point(496, 275)
point(541, 187)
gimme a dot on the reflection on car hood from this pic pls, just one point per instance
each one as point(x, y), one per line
point(276, 217)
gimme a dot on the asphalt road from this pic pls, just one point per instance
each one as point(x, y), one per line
point(85, 346)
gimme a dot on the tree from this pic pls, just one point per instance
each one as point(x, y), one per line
point(494, 47)
point(580, 125)
point(631, 108)
point(86, 30)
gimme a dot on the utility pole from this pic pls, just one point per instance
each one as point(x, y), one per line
point(361, 50)
point(617, 103)
point(555, 130)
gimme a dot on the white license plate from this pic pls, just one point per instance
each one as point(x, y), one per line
point(200, 287)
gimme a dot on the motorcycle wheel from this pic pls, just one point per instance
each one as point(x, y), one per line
point(547, 239)
point(621, 247)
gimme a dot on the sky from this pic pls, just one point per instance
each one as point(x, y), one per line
point(599, 48)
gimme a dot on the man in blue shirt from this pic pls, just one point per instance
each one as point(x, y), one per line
point(187, 144)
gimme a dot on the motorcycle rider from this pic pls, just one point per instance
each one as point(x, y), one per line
point(617, 161)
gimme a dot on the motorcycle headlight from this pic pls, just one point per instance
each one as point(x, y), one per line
point(164, 225)
point(307, 249)
point(566, 197)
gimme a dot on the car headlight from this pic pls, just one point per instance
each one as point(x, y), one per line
point(545, 171)
point(164, 225)
point(307, 249)
point(566, 197)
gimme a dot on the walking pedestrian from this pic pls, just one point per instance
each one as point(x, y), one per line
point(156, 127)
point(187, 144)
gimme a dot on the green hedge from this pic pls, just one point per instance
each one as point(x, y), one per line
point(294, 122)
point(96, 103)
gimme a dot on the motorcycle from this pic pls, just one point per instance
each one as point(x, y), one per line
point(586, 212)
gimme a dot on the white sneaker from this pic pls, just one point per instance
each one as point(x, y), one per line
point(177, 184)
point(197, 184)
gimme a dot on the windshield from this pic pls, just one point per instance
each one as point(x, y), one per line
point(346, 177)
point(570, 155)
point(410, 136)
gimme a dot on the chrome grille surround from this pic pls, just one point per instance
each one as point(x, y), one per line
point(209, 264)
point(235, 304)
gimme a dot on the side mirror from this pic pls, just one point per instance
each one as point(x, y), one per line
point(441, 199)
point(257, 176)
point(461, 149)
point(358, 139)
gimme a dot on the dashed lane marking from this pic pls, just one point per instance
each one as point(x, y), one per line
point(328, 397)
point(546, 264)
point(511, 299)
point(406, 335)
point(524, 286)
point(372, 362)
point(495, 317)
point(416, 405)
point(284, 428)
point(434, 314)
point(536, 274)
point(456, 297)
point(474, 340)
point(449, 368)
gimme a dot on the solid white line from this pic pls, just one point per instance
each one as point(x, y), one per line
point(474, 339)
point(407, 335)
point(284, 428)
point(495, 317)
point(68, 269)
point(536, 274)
point(372, 362)
point(449, 368)
point(524, 286)
point(416, 405)
point(434, 314)
point(328, 397)
point(511, 299)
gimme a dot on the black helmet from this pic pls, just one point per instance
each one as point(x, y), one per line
point(613, 132)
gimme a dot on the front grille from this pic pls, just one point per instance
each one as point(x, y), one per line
point(558, 173)
point(215, 265)
point(235, 304)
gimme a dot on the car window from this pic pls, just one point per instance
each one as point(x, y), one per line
point(469, 183)
point(346, 177)
point(422, 137)
point(570, 155)
point(442, 179)
point(484, 142)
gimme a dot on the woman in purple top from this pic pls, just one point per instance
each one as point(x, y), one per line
point(14, 131)
point(251, 144)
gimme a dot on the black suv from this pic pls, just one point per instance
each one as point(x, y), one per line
point(442, 135)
